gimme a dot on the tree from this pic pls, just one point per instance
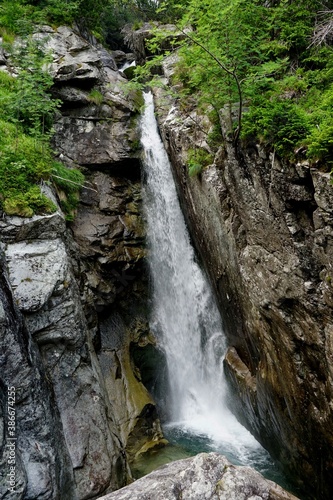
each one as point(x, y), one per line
point(260, 53)
point(219, 52)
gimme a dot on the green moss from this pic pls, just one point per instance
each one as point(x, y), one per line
point(28, 203)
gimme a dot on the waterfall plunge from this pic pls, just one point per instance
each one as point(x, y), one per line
point(184, 316)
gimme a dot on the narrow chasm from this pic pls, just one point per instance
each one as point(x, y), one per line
point(166, 247)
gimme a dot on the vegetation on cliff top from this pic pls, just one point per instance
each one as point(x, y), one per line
point(269, 63)
point(26, 159)
point(104, 18)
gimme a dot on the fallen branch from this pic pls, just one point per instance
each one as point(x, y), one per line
point(76, 183)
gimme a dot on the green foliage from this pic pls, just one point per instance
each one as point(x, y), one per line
point(170, 11)
point(104, 18)
point(254, 59)
point(68, 183)
point(68, 180)
point(7, 37)
point(197, 160)
point(320, 138)
point(96, 97)
point(13, 14)
point(26, 110)
point(19, 16)
point(60, 11)
point(32, 104)
point(24, 163)
point(279, 123)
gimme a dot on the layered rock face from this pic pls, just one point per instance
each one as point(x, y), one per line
point(264, 231)
point(46, 292)
point(208, 476)
point(41, 463)
point(79, 297)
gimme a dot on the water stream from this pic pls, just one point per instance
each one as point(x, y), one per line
point(186, 321)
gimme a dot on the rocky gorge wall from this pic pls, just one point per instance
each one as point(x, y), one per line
point(264, 231)
point(74, 296)
point(74, 329)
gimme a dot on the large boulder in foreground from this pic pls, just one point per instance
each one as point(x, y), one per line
point(205, 476)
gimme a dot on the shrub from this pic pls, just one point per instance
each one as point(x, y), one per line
point(279, 123)
point(96, 97)
point(68, 183)
point(197, 160)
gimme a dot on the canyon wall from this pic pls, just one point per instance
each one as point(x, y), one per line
point(75, 296)
point(263, 229)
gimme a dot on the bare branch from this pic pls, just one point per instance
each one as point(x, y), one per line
point(72, 182)
point(323, 32)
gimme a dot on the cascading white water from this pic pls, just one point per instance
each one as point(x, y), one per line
point(184, 315)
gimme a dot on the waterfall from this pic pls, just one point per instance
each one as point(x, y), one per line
point(184, 316)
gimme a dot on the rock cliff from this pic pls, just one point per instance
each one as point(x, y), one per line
point(263, 228)
point(42, 466)
point(78, 300)
point(73, 309)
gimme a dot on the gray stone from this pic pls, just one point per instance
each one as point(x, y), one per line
point(137, 40)
point(73, 57)
point(43, 468)
point(41, 227)
point(323, 195)
point(70, 94)
point(37, 270)
point(205, 476)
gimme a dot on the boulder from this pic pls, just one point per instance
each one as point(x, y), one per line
point(208, 476)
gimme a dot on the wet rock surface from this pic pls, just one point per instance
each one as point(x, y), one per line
point(208, 476)
point(264, 231)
